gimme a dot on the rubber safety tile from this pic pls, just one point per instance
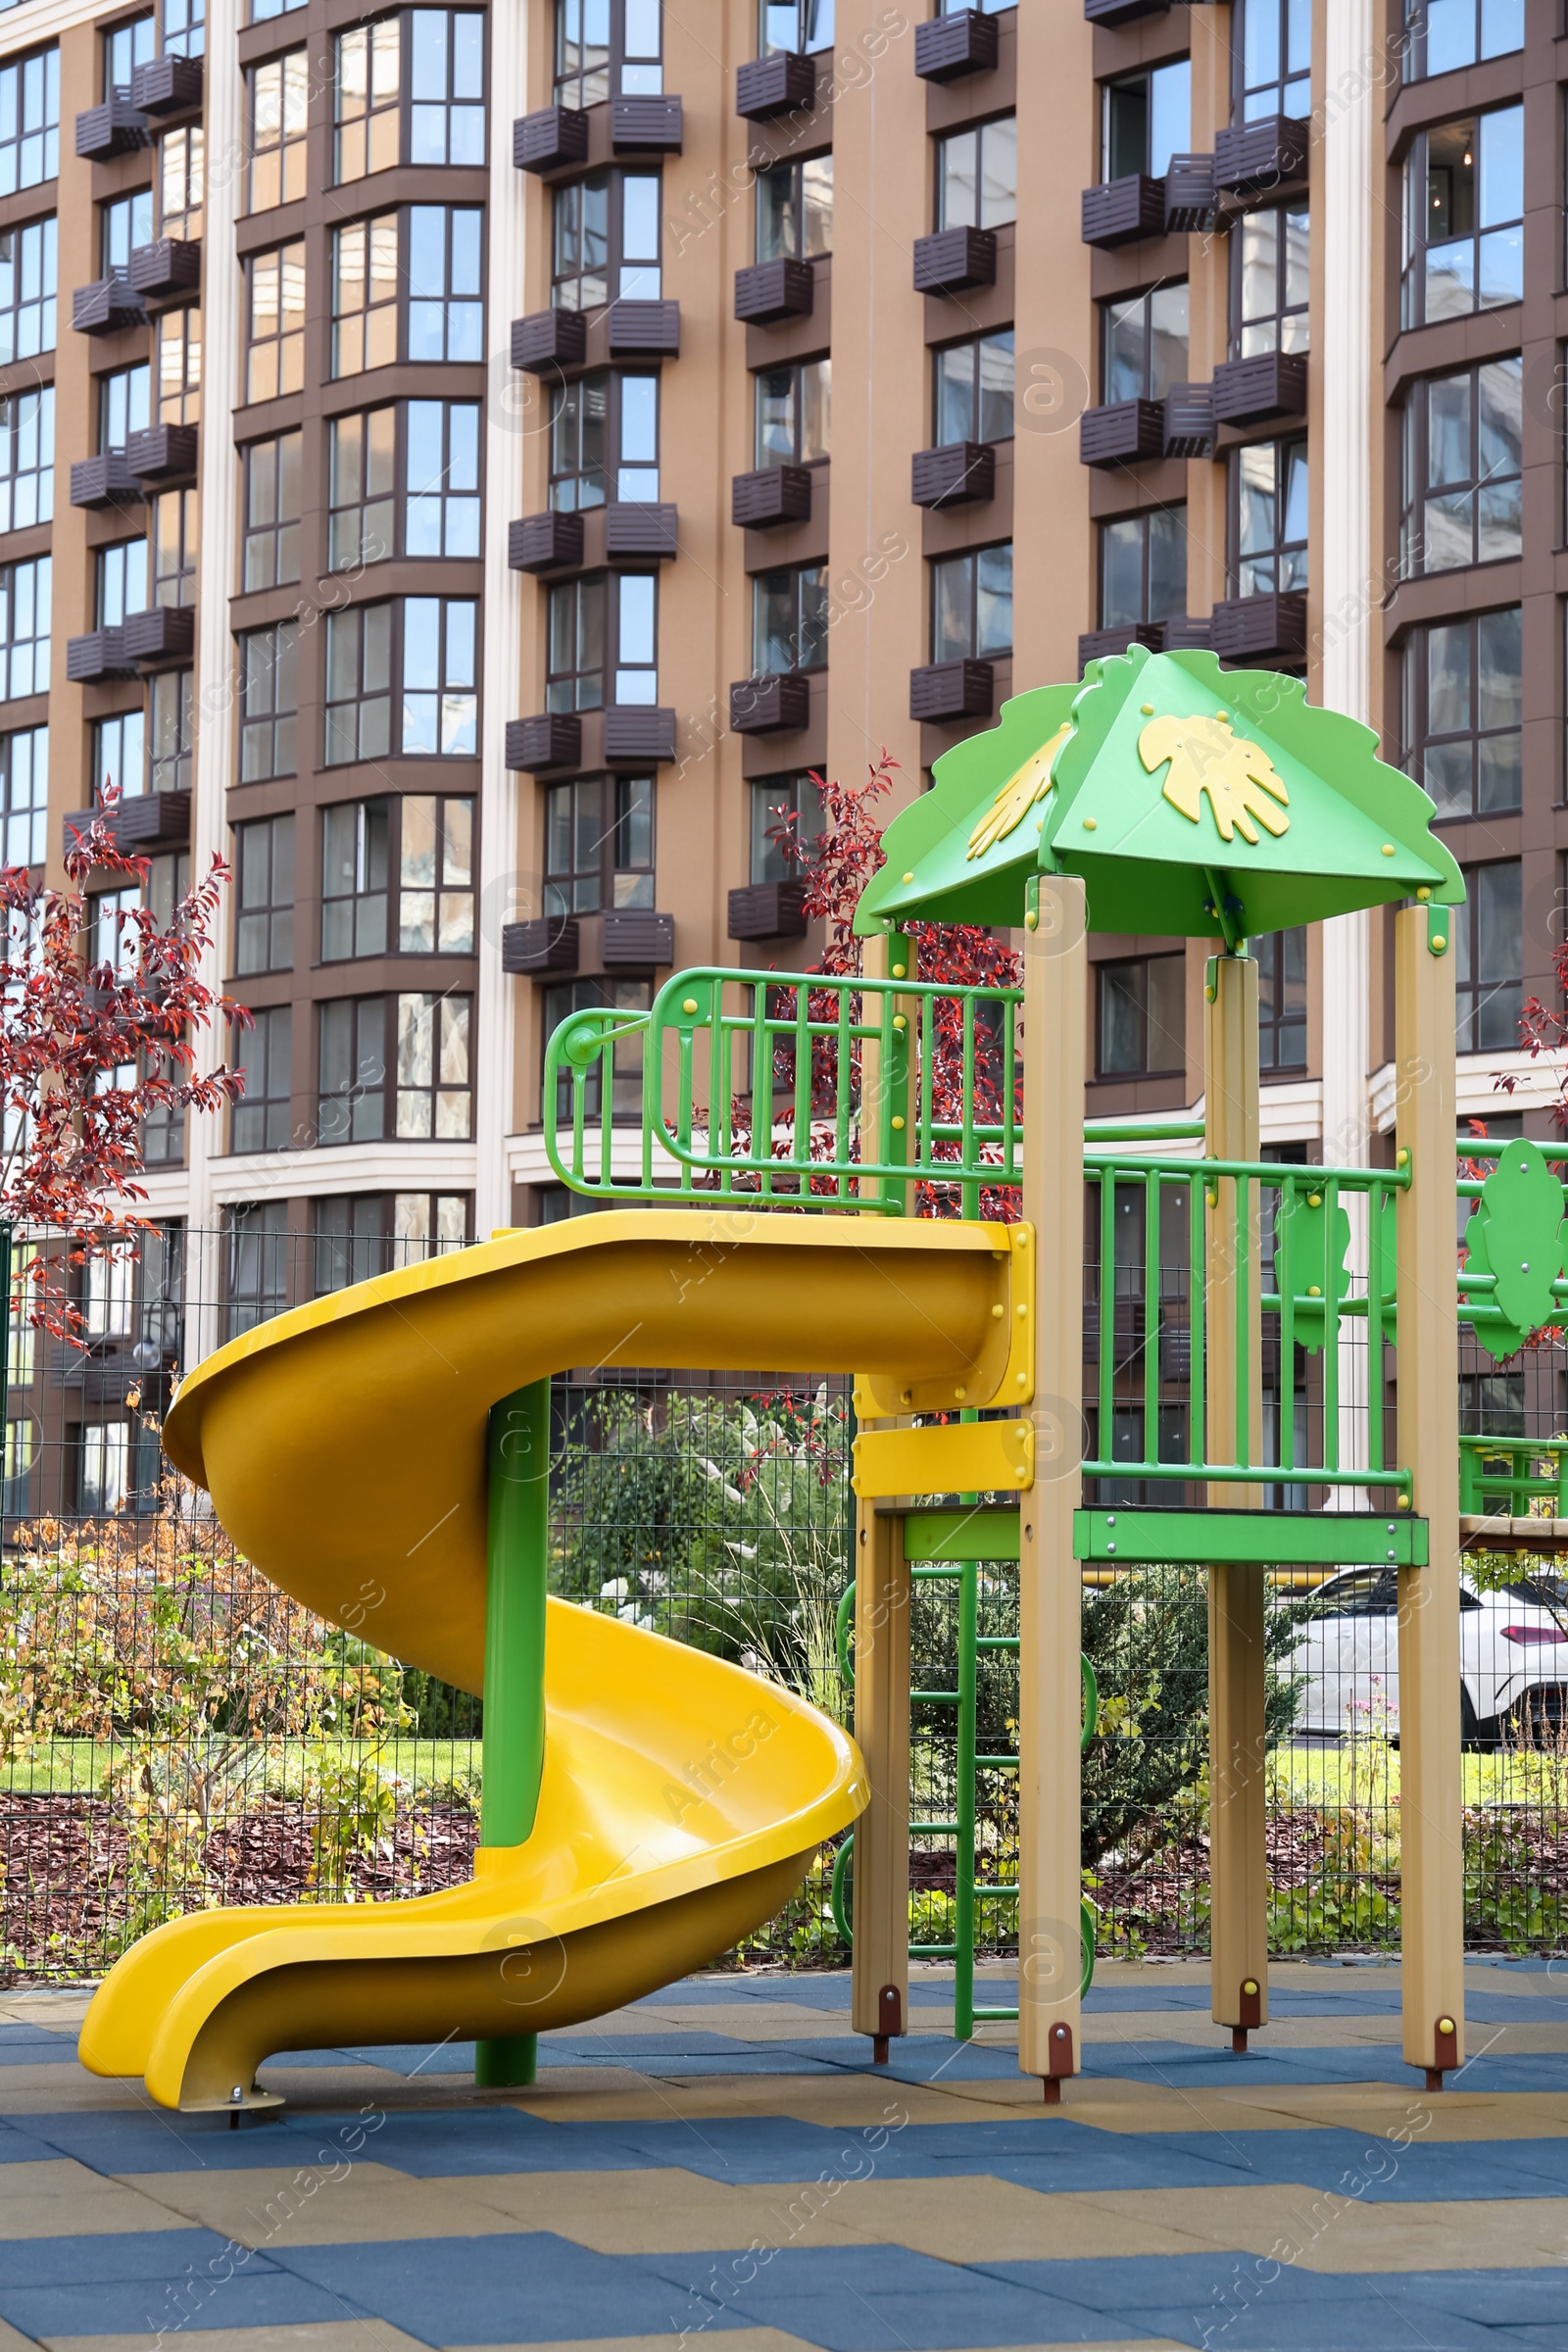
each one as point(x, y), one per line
point(1377, 2171)
point(140, 2308)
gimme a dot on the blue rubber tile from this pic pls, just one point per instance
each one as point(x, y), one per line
point(827, 1993)
point(120, 2255)
point(1130, 2281)
point(1372, 2322)
point(583, 2048)
point(482, 2139)
point(746, 2059)
point(18, 2146)
point(1491, 2299)
point(1054, 2152)
point(154, 2140)
point(758, 2149)
point(416, 2058)
point(134, 2307)
point(1372, 2169)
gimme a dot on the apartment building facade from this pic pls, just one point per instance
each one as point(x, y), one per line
point(470, 466)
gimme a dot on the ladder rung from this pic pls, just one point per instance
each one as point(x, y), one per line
point(933, 1952)
point(996, 1763)
point(996, 1641)
point(1011, 1891)
point(934, 1829)
point(995, 2017)
point(938, 1699)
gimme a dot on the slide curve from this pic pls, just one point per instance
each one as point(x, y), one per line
point(682, 1799)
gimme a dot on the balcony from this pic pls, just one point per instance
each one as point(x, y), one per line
point(106, 307)
point(769, 910)
point(142, 820)
point(547, 943)
point(1121, 211)
point(169, 270)
point(162, 453)
point(545, 542)
point(638, 731)
point(549, 739)
point(1125, 433)
point(957, 475)
point(556, 139)
point(773, 494)
point(955, 258)
point(635, 934)
point(775, 86)
point(645, 125)
point(546, 341)
point(167, 86)
point(93, 659)
point(772, 705)
point(1099, 645)
point(644, 331)
point(1261, 628)
point(1251, 158)
point(117, 128)
point(1250, 391)
point(635, 529)
point(1190, 193)
point(105, 481)
point(770, 291)
point(946, 48)
point(164, 633)
point(1123, 12)
point(1187, 633)
point(1190, 421)
point(951, 690)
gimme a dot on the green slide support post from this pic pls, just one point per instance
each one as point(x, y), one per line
point(519, 1557)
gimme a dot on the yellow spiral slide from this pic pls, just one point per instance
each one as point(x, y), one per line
point(681, 1799)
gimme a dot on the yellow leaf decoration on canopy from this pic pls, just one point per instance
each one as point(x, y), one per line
point(1012, 803)
point(1206, 757)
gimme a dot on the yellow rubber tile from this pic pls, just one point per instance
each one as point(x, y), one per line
point(665, 2212)
point(733, 2340)
point(852, 2102)
point(313, 2205)
point(57, 2197)
point(321, 2335)
point(1390, 2112)
point(1117, 2106)
point(1287, 2034)
point(974, 2218)
point(65, 2090)
point(745, 2021)
point(1318, 2230)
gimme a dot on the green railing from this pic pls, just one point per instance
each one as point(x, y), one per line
point(1507, 1476)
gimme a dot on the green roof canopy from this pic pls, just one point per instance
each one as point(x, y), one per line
point(1172, 786)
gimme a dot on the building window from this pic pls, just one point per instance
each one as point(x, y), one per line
point(423, 1040)
point(606, 236)
point(367, 107)
point(1442, 36)
point(274, 355)
point(123, 225)
point(779, 803)
point(184, 28)
point(270, 505)
point(27, 458)
point(280, 101)
point(974, 390)
point(602, 629)
point(264, 886)
point(119, 754)
point(125, 48)
point(269, 700)
point(1282, 999)
point(795, 210)
point(1144, 344)
point(105, 1462)
point(28, 289)
point(440, 677)
point(446, 85)
point(977, 175)
point(597, 39)
point(361, 1235)
point(1143, 1017)
point(1464, 684)
point(29, 120)
point(971, 605)
point(119, 582)
point(256, 1258)
point(421, 456)
point(359, 683)
point(179, 366)
point(1487, 930)
point(175, 537)
point(181, 177)
point(1142, 567)
point(792, 406)
point(1269, 518)
point(616, 996)
point(789, 619)
point(1271, 46)
point(24, 793)
point(122, 405)
point(24, 629)
point(793, 28)
point(435, 874)
point(599, 843)
point(446, 284)
point(262, 1121)
point(171, 729)
point(351, 1066)
point(262, 11)
point(1464, 200)
point(1147, 118)
point(1269, 290)
point(365, 295)
point(1463, 494)
point(603, 428)
point(354, 879)
point(361, 453)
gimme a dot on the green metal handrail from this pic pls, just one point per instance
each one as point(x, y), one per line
point(1507, 1471)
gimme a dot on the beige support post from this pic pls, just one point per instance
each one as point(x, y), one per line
point(1431, 1866)
point(1050, 1586)
point(1238, 1811)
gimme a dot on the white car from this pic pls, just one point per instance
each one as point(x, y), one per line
point(1513, 1660)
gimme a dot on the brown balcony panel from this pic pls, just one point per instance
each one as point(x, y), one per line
point(954, 475)
point(548, 340)
point(101, 655)
point(645, 125)
point(951, 690)
point(1187, 633)
point(774, 85)
point(632, 529)
point(773, 494)
point(544, 542)
point(955, 258)
point(636, 935)
point(769, 706)
point(1261, 628)
point(549, 739)
point(637, 731)
point(644, 331)
point(163, 452)
point(1190, 193)
point(166, 633)
point(1099, 645)
point(1249, 391)
point(770, 291)
point(167, 86)
point(948, 47)
point(104, 481)
point(555, 139)
point(1122, 433)
point(1250, 158)
point(106, 307)
point(1190, 421)
point(1121, 211)
point(547, 943)
point(152, 820)
point(166, 268)
point(1123, 12)
point(769, 910)
point(117, 128)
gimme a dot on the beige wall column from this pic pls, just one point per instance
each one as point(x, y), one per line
point(1238, 1814)
point(880, 1994)
point(1431, 1867)
point(1050, 1585)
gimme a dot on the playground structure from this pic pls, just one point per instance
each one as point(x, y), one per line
point(382, 1450)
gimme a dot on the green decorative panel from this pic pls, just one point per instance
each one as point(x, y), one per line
point(1516, 1235)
